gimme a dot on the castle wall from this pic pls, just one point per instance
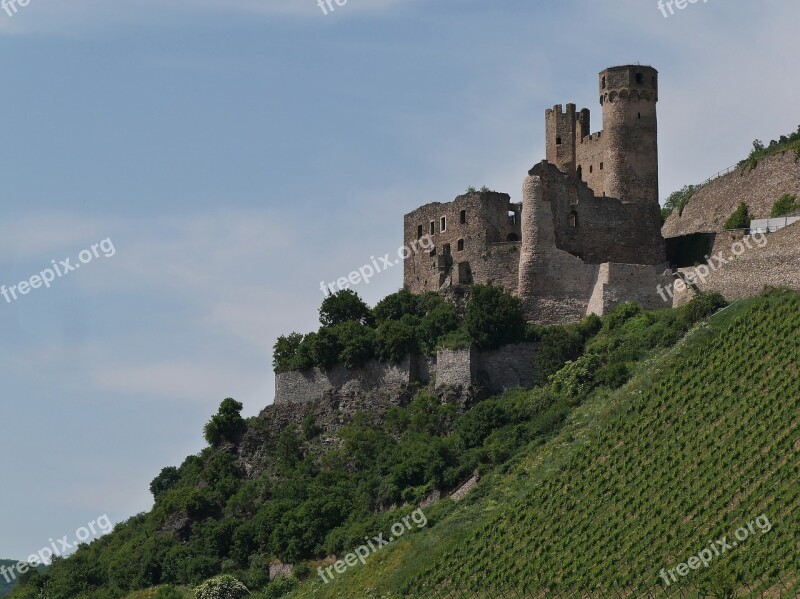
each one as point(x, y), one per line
point(311, 385)
point(620, 283)
point(714, 204)
point(486, 222)
point(590, 158)
point(495, 371)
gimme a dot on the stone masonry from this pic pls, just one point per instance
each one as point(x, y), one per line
point(586, 236)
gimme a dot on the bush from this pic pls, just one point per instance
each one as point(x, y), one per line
point(703, 305)
point(678, 200)
point(166, 480)
point(356, 342)
point(168, 592)
point(494, 317)
point(227, 424)
point(344, 306)
point(395, 306)
point(395, 339)
point(740, 219)
point(439, 322)
point(284, 354)
point(221, 587)
point(786, 204)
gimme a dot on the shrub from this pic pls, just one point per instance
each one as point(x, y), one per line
point(439, 322)
point(166, 480)
point(678, 200)
point(395, 339)
point(786, 204)
point(221, 587)
point(740, 219)
point(227, 424)
point(168, 592)
point(356, 343)
point(397, 305)
point(344, 306)
point(494, 317)
point(284, 354)
point(704, 304)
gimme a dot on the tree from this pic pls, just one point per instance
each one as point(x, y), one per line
point(221, 587)
point(396, 305)
point(343, 306)
point(494, 317)
point(396, 339)
point(227, 424)
point(285, 352)
point(166, 480)
point(357, 343)
point(740, 219)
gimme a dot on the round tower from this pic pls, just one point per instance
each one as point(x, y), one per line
point(628, 95)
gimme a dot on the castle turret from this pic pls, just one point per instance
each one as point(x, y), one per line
point(628, 95)
point(561, 127)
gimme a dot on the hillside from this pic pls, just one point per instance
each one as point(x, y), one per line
point(5, 586)
point(636, 454)
point(703, 440)
point(716, 201)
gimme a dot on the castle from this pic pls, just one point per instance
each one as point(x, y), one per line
point(587, 234)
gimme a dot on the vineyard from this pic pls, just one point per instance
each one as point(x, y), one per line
point(703, 440)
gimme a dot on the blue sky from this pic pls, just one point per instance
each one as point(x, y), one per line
point(237, 153)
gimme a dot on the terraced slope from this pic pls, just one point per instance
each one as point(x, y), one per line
point(702, 445)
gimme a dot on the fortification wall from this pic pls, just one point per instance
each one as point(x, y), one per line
point(712, 205)
point(494, 371)
point(311, 385)
point(774, 264)
point(620, 283)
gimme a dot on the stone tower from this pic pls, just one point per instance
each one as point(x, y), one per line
point(628, 95)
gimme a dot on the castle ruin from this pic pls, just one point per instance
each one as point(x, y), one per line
point(587, 234)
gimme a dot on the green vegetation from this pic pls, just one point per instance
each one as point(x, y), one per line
point(740, 219)
point(786, 204)
point(400, 324)
point(647, 436)
point(781, 146)
point(678, 200)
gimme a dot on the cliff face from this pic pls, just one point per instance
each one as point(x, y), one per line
point(760, 188)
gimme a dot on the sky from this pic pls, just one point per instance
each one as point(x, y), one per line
point(224, 158)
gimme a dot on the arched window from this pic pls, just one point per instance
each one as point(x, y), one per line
point(460, 245)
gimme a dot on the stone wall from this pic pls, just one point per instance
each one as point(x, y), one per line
point(310, 385)
point(473, 223)
point(492, 371)
point(760, 188)
point(620, 283)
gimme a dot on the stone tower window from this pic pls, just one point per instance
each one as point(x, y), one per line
point(433, 227)
point(573, 219)
point(460, 245)
point(640, 114)
point(446, 249)
point(443, 224)
point(604, 82)
point(601, 166)
point(512, 237)
point(463, 217)
point(591, 168)
point(580, 172)
point(419, 232)
point(639, 78)
point(558, 141)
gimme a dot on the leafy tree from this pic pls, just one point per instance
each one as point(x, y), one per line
point(740, 219)
point(356, 342)
point(285, 352)
point(227, 424)
point(494, 317)
point(436, 324)
point(786, 204)
point(397, 305)
point(344, 306)
point(396, 339)
point(678, 200)
point(166, 480)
